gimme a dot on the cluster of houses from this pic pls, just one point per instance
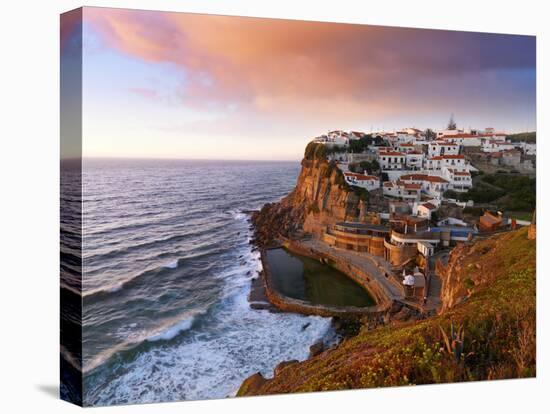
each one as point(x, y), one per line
point(416, 173)
point(419, 170)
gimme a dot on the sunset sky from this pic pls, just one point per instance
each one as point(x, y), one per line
point(175, 85)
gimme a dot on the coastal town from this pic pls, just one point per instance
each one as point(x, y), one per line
point(418, 194)
point(425, 178)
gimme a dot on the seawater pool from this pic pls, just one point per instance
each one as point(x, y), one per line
point(303, 278)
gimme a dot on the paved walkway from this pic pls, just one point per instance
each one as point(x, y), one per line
point(375, 267)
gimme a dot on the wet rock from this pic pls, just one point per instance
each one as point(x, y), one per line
point(316, 348)
point(283, 365)
point(261, 306)
point(251, 385)
point(305, 326)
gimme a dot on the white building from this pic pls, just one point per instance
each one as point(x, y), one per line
point(493, 145)
point(404, 137)
point(425, 210)
point(442, 147)
point(399, 189)
point(432, 185)
point(446, 132)
point(414, 160)
point(368, 182)
point(466, 140)
point(527, 147)
point(391, 160)
point(460, 179)
point(449, 161)
point(331, 140)
point(338, 137)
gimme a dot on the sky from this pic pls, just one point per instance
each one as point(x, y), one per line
point(176, 85)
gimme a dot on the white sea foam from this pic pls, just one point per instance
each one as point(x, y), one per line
point(211, 364)
point(211, 360)
point(173, 330)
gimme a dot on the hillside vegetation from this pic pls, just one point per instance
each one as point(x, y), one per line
point(524, 136)
point(507, 192)
point(485, 331)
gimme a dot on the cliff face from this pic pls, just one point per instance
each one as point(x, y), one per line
point(321, 197)
point(474, 266)
point(486, 331)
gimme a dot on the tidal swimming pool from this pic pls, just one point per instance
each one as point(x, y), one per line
point(307, 279)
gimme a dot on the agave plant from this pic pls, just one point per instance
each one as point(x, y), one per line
point(454, 343)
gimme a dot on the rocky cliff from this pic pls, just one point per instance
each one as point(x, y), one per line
point(320, 198)
point(474, 266)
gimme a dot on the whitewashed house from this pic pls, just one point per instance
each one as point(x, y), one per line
point(466, 140)
point(391, 160)
point(414, 160)
point(404, 137)
point(442, 147)
point(449, 161)
point(404, 191)
point(368, 182)
point(432, 185)
point(493, 145)
point(460, 179)
point(338, 137)
point(425, 210)
point(528, 148)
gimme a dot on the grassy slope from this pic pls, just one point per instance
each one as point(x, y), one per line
point(499, 333)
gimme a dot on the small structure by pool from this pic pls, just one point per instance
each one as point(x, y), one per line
point(306, 279)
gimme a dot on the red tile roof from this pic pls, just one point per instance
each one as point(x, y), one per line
point(429, 206)
point(418, 177)
point(435, 179)
point(423, 177)
point(393, 153)
point(448, 157)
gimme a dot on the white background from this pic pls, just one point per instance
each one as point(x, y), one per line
point(29, 151)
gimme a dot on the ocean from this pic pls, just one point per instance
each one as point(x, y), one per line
point(167, 267)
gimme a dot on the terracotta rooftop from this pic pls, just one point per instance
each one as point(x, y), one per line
point(448, 157)
point(412, 186)
point(393, 153)
point(423, 177)
point(429, 206)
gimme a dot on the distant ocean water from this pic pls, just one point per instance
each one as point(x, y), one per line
point(167, 268)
